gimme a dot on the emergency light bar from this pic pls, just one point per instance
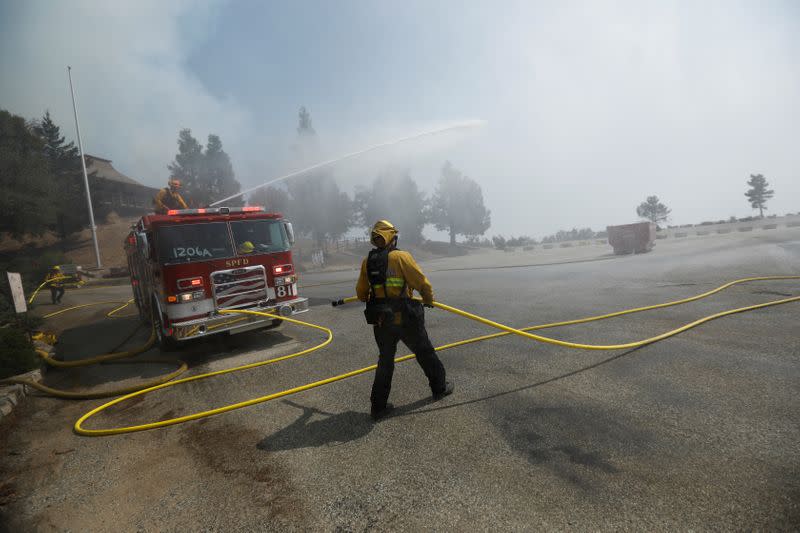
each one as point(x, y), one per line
point(216, 210)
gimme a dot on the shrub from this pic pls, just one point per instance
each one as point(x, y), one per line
point(522, 240)
point(17, 354)
point(32, 265)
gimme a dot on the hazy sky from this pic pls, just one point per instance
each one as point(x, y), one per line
point(591, 106)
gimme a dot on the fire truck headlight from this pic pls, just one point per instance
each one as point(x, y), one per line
point(189, 296)
point(285, 280)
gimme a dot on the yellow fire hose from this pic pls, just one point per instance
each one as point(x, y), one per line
point(506, 330)
point(47, 282)
point(105, 358)
point(166, 380)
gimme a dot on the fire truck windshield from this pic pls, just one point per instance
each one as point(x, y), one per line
point(194, 242)
point(259, 236)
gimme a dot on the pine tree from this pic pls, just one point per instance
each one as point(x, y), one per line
point(304, 126)
point(758, 194)
point(217, 177)
point(653, 210)
point(65, 168)
point(188, 165)
point(206, 176)
point(316, 204)
point(306, 149)
point(26, 189)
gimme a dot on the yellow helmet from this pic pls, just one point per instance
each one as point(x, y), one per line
point(56, 267)
point(382, 233)
point(246, 247)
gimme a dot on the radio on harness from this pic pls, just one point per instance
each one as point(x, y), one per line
point(381, 311)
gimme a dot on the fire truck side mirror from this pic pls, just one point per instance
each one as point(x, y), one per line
point(289, 232)
point(141, 241)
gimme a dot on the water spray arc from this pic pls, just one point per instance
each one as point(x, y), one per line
point(461, 125)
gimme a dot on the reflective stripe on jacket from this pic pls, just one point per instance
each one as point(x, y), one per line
point(402, 269)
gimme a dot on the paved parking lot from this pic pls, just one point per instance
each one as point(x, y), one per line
point(696, 432)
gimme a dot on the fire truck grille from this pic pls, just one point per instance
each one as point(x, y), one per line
point(239, 287)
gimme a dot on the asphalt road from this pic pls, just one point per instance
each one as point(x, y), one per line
point(698, 432)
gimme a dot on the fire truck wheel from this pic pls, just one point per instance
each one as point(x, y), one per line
point(167, 344)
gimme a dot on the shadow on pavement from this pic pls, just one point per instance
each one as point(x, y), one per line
point(331, 429)
point(219, 347)
point(327, 429)
point(411, 409)
point(107, 336)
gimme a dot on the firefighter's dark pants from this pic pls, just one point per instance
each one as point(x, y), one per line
point(56, 293)
point(413, 335)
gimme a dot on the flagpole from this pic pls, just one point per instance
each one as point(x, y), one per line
point(85, 176)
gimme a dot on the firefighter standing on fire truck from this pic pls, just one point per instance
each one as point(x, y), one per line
point(169, 198)
point(387, 281)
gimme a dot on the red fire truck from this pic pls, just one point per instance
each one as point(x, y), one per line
point(189, 264)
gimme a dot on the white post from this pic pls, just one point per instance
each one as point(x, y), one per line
point(85, 176)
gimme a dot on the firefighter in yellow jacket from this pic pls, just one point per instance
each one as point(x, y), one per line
point(387, 281)
point(169, 197)
point(55, 281)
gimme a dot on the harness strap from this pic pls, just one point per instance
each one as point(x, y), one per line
point(380, 276)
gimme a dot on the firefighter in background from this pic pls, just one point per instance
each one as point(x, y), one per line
point(387, 281)
point(169, 197)
point(56, 284)
point(246, 248)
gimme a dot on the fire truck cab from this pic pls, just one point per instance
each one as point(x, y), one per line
point(189, 264)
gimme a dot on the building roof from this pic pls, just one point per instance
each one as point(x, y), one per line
point(102, 168)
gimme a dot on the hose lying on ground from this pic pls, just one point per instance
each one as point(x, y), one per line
point(113, 357)
point(51, 280)
point(506, 330)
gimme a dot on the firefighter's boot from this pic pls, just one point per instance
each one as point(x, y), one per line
point(380, 414)
point(446, 391)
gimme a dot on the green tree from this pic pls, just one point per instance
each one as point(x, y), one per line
point(271, 198)
point(758, 194)
point(65, 168)
point(396, 197)
point(206, 176)
point(457, 205)
point(188, 165)
point(653, 210)
point(26, 189)
point(217, 179)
